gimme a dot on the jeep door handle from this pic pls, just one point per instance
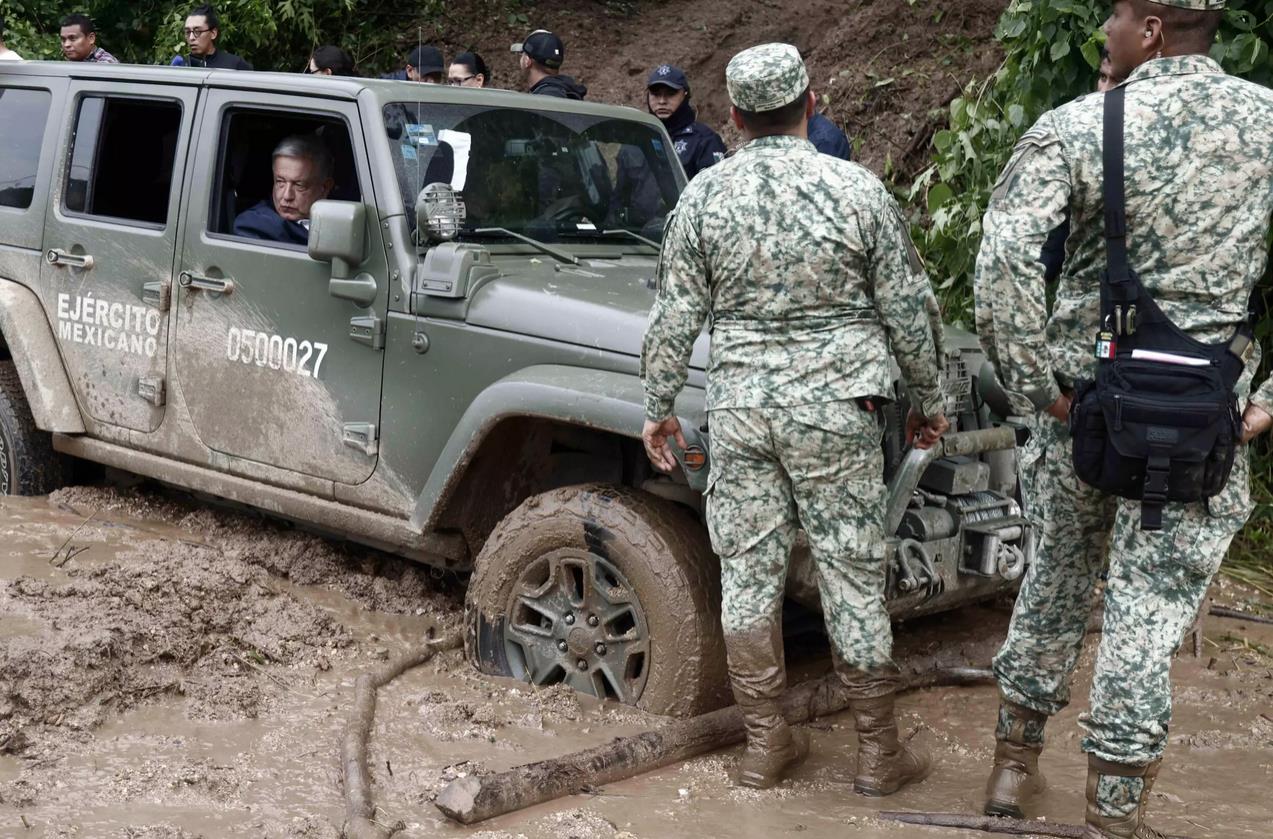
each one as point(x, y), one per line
point(66, 259)
point(217, 285)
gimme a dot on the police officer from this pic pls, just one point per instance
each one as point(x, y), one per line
point(1198, 203)
point(804, 264)
point(667, 94)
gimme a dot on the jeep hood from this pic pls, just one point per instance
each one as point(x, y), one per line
point(600, 303)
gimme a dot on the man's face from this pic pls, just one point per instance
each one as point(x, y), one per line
point(427, 78)
point(297, 187)
point(1106, 80)
point(665, 100)
point(1129, 38)
point(76, 46)
point(199, 37)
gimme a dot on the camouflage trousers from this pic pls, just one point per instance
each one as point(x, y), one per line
point(1156, 584)
point(819, 467)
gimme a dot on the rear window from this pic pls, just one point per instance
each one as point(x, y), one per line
point(23, 115)
point(122, 159)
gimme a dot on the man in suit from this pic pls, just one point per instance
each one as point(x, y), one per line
point(302, 175)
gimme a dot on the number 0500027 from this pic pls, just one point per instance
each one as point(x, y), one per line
point(303, 358)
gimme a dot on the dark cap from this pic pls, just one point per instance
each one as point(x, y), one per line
point(426, 59)
point(668, 76)
point(543, 47)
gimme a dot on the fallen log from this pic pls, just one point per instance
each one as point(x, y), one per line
point(994, 824)
point(478, 797)
point(359, 809)
point(1235, 614)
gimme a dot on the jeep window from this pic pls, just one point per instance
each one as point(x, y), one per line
point(550, 176)
point(122, 157)
point(23, 114)
point(245, 170)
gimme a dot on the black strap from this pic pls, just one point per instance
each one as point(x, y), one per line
point(1117, 269)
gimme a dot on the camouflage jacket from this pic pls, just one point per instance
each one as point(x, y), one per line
point(804, 264)
point(1199, 181)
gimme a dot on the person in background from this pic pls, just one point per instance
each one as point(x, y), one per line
point(329, 60)
point(468, 70)
point(668, 98)
point(828, 138)
point(202, 29)
point(79, 41)
point(303, 175)
point(424, 64)
point(541, 56)
point(6, 54)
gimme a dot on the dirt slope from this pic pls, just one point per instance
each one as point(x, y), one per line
point(885, 69)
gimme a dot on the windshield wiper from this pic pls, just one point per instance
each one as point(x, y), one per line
point(534, 243)
point(631, 235)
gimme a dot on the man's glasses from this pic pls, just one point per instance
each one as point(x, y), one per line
point(457, 82)
point(197, 33)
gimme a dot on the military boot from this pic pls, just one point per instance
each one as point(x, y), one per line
point(1015, 779)
point(758, 676)
point(885, 765)
point(1117, 795)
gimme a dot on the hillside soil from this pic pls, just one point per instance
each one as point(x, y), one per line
point(885, 70)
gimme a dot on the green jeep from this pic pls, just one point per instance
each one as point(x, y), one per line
point(448, 371)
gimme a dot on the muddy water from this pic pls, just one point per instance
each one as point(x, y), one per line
point(165, 735)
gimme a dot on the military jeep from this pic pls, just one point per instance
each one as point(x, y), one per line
point(447, 371)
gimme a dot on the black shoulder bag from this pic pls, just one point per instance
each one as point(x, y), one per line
point(1160, 423)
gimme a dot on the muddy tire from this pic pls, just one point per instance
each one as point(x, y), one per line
point(28, 464)
point(612, 591)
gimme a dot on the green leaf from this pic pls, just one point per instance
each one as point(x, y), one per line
point(938, 196)
point(1060, 49)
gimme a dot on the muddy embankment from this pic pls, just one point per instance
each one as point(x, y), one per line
point(167, 670)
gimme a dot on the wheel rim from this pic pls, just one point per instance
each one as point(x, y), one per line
point(574, 618)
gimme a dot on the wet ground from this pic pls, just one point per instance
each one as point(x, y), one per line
point(167, 670)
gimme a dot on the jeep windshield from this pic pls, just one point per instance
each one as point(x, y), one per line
point(554, 177)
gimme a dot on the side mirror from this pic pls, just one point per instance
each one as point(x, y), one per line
point(338, 234)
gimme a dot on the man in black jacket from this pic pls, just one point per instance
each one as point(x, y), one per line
point(541, 55)
point(668, 98)
point(202, 29)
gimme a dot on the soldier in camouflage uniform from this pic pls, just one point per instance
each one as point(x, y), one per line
point(1199, 183)
point(805, 266)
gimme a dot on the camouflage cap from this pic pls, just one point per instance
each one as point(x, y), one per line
point(1199, 5)
point(766, 77)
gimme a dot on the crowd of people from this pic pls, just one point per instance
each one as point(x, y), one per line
point(541, 55)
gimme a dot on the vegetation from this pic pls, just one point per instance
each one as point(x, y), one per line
point(1051, 55)
point(272, 35)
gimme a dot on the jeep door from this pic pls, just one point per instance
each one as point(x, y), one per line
point(109, 244)
point(273, 368)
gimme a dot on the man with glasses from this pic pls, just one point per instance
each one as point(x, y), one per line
point(424, 64)
point(202, 29)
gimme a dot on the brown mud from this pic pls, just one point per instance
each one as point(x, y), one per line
point(174, 671)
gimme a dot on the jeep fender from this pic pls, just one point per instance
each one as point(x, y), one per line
point(36, 356)
point(599, 399)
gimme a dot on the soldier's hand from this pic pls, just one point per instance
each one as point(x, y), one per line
point(655, 436)
point(922, 431)
point(1060, 409)
point(1255, 421)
